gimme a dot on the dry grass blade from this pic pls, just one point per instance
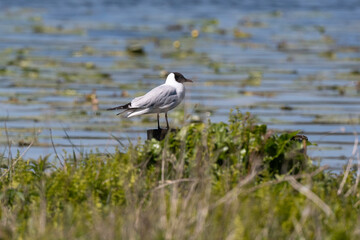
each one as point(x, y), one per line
point(346, 174)
point(237, 190)
point(69, 139)
point(353, 188)
point(357, 177)
point(231, 195)
point(310, 195)
point(14, 163)
point(118, 140)
point(285, 178)
point(8, 144)
point(53, 145)
point(171, 182)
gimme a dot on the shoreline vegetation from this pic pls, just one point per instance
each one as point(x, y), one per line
point(235, 180)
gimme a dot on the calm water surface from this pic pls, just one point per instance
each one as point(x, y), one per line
point(294, 66)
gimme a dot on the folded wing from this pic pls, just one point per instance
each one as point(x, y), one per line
point(158, 98)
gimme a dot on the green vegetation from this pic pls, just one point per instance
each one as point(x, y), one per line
point(208, 181)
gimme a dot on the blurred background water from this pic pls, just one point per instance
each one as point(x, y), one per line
point(295, 65)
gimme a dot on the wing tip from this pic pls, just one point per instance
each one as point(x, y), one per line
point(126, 106)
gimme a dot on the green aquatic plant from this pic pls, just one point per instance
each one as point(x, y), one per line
point(47, 29)
point(331, 55)
point(240, 34)
point(4, 71)
point(209, 25)
point(135, 50)
point(254, 78)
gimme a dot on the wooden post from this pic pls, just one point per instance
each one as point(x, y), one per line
point(159, 134)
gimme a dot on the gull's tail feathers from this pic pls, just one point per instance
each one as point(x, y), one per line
point(130, 112)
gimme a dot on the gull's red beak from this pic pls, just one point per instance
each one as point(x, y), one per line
point(188, 80)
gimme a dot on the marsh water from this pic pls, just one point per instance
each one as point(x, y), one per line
point(295, 66)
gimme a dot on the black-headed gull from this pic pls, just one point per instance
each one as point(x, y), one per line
point(158, 100)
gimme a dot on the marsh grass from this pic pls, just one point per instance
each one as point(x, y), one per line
point(233, 180)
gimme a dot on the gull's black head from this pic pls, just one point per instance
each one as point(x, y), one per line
point(180, 78)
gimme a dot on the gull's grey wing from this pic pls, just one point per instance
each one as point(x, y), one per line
point(159, 97)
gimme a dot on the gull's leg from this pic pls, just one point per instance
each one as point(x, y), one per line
point(167, 123)
point(158, 121)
